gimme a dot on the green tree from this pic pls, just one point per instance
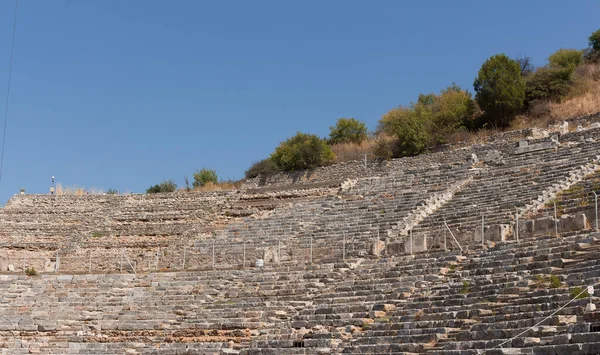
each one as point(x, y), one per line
point(263, 167)
point(547, 84)
point(411, 126)
point(451, 109)
point(164, 186)
point(500, 89)
point(302, 151)
point(566, 59)
point(592, 54)
point(204, 176)
point(594, 41)
point(348, 130)
point(381, 149)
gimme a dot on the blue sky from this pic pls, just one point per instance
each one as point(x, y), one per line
point(121, 94)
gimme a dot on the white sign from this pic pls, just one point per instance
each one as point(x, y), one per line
point(590, 290)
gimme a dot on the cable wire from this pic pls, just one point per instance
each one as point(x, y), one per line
point(12, 51)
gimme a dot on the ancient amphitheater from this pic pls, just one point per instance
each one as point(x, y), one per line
point(487, 249)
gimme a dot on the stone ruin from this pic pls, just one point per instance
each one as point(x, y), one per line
point(456, 252)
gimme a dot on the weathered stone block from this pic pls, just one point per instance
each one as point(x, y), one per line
point(377, 248)
point(544, 226)
point(572, 223)
point(419, 243)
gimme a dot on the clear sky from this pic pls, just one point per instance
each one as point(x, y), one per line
point(123, 93)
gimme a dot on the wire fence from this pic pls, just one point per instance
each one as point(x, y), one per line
point(569, 212)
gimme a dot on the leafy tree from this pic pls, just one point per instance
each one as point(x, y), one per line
point(348, 130)
point(547, 84)
point(204, 176)
point(450, 110)
point(302, 151)
point(263, 167)
point(164, 186)
point(594, 41)
point(381, 149)
point(500, 89)
point(592, 54)
point(566, 59)
point(411, 126)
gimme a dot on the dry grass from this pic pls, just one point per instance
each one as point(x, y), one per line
point(220, 186)
point(76, 190)
point(350, 151)
point(582, 105)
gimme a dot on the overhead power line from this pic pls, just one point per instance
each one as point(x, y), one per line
point(12, 52)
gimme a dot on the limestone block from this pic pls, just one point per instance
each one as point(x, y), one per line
point(477, 234)
point(572, 223)
point(394, 248)
point(526, 228)
point(564, 128)
point(3, 264)
point(544, 226)
point(595, 125)
point(419, 243)
point(377, 248)
point(498, 232)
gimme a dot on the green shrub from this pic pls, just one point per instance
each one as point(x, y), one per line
point(554, 281)
point(451, 109)
point(579, 293)
point(112, 192)
point(31, 271)
point(164, 186)
point(500, 90)
point(348, 130)
point(566, 58)
point(204, 176)
point(302, 151)
point(412, 131)
point(592, 54)
point(264, 167)
point(547, 84)
point(381, 149)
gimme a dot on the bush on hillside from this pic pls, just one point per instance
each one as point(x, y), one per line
point(592, 54)
point(500, 90)
point(450, 110)
point(547, 84)
point(347, 130)
point(566, 58)
point(164, 186)
point(382, 149)
point(302, 151)
point(204, 176)
point(264, 167)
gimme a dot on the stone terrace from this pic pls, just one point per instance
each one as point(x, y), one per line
point(354, 261)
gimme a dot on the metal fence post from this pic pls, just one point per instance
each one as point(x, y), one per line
point(90, 265)
point(184, 250)
point(57, 264)
point(213, 254)
point(156, 259)
point(517, 226)
point(311, 249)
point(482, 230)
point(555, 220)
point(244, 251)
point(344, 247)
point(445, 245)
point(411, 241)
point(596, 207)
point(365, 160)
point(279, 251)
point(121, 262)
